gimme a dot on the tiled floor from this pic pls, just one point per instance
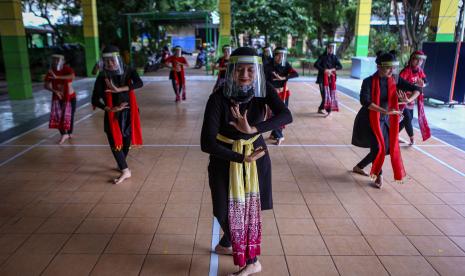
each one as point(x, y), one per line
point(60, 215)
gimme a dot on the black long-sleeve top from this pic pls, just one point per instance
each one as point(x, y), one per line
point(284, 71)
point(218, 116)
point(365, 92)
point(324, 62)
point(130, 79)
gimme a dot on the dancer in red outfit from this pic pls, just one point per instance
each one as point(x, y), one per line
point(59, 81)
point(414, 74)
point(177, 75)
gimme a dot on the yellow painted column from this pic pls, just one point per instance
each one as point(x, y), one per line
point(15, 55)
point(91, 41)
point(224, 7)
point(443, 19)
point(362, 28)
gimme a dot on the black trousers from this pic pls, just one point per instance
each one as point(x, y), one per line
point(323, 95)
point(374, 147)
point(73, 110)
point(120, 155)
point(407, 122)
point(278, 133)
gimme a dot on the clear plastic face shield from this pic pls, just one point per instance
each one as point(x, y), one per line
point(245, 79)
point(112, 63)
point(389, 69)
point(267, 52)
point(57, 62)
point(280, 57)
point(178, 51)
point(227, 50)
point(418, 61)
point(331, 49)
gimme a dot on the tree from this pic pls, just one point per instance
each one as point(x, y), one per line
point(350, 14)
point(417, 16)
point(42, 8)
point(274, 19)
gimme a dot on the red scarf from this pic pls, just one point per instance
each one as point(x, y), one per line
point(136, 130)
point(394, 149)
point(329, 84)
point(409, 75)
point(60, 113)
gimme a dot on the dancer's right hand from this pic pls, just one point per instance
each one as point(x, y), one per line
point(117, 108)
point(59, 94)
point(394, 112)
point(256, 154)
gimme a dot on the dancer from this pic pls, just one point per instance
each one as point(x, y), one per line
point(277, 73)
point(221, 65)
point(376, 125)
point(114, 93)
point(59, 81)
point(327, 65)
point(239, 171)
point(177, 75)
point(414, 74)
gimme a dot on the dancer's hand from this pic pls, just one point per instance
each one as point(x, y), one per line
point(420, 82)
point(256, 154)
point(402, 96)
point(59, 94)
point(122, 106)
point(278, 77)
point(52, 74)
point(394, 112)
point(111, 86)
point(241, 123)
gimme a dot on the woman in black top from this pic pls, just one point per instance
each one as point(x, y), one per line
point(367, 132)
point(237, 112)
point(326, 63)
point(114, 93)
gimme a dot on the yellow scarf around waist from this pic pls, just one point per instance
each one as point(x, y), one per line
point(237, 177)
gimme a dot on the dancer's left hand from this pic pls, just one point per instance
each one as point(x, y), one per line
point(278, 77)
point(403, 98)
point(52, 74)
point(241, 123)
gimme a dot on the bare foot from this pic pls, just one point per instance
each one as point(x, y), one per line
point(248, 270)
point(328, 115)
point(126, 173)
point(221, 250)
point(379, 182)
point(64, 137)
point(320, 111)
point(358, 170)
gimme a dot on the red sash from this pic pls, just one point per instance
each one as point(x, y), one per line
point(60, 113)
point(410, 76)
point(329, 84)
point(394, 149)
point(136, 130)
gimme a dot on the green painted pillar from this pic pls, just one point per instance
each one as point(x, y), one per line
point(225, 24)
point(362, 28)
point(91, 41)
point(15, 53)
point(443, 19)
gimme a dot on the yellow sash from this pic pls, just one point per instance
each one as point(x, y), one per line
point(237, 189)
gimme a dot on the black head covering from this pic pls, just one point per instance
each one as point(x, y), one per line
point(110, 49)
point(385, 57)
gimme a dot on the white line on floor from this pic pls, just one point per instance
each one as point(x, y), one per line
point(213, 256)
point(416, 146)
point(40, 142)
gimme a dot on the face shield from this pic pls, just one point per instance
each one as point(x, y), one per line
point(280, 57)
point(112, 63)
point(418, 61)
point(57, 62)
point(267, 52)
point(331, 49)
point(227, 51)
point(389, 69)
point(178, 51)
point(245, 79)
